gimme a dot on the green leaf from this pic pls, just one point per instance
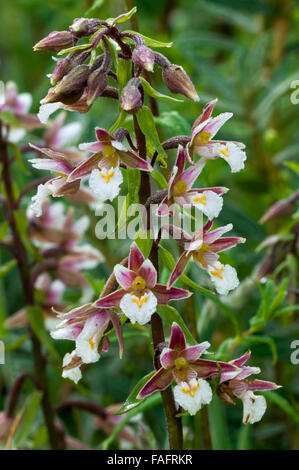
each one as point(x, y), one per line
point(132, 402)
point(3, 230)
point(218, 426)
point(170, 315)
point(36, 319)
point(80, 47)
point(97, 4)
point(118, 123)
point(122, 18)
point(144, 240)
point(293, 165)
point(147, 125)
point(18, 157)
point(274, 397)
point(155, 94)
point(173, 121)
point(160, 179)
point(28, 419)
point(151, 42)
point(134, 181)
point(6, 267)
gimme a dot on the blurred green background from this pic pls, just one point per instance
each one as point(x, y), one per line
point(245, 52)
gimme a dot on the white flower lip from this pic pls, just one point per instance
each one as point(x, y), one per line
point(209, 203)
point(105, 183)
point(139, 309)
point(254, 407)
point(224, 277)
point(191, 396)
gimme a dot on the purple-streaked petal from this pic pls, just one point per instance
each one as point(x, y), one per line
point(194, 352)
point(216, 123)
point(148, 272)
point(206, 113)
point(179, 268)
point(226, 243)
point(161, 380)
point(207, 226)
point(103, 135)
point(57, 166)
point(180, 160)
point(177, 338)
point(172, 178)
point(205, 368)
point(168, 357)
point(164, 295)
point(262, 385)
point(211, 237)
point(192, 173)
point(216, 189)
point(246, 371)
point(163, 208)
point(93, 147)
point(176, 232)
point(134, 161)
point(124, 276)
point(111, 300)
point(241, 360)
point(136, 257)
point(86, 167)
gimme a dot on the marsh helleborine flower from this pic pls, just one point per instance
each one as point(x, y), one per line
point(139, 294)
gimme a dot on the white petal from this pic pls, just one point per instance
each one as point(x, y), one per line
point(46, 110)
point(24, 102)
point(74, 374)
point(15, 135)
point(254, 407)
point(102, 188)
point(209, 203)
point(139, 309)
point(38, 200)
point(224, 277)
point(201, 391)
point(233, 155)
point(88, 340)
point(68, 133)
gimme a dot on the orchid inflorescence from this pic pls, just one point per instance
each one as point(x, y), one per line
point(78, 80)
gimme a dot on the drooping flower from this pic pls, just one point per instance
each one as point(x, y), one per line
point(86, 325)
point(102, 167)
point(254, 406)
point(204, 247)
point(184, 365)
point(207, 200)
point(139, 294)
point(201, 142)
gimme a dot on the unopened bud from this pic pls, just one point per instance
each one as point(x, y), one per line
point(96, 84)
point(70, 88)
point(144, 58)
point(63, 66)
point(281, 208)
point(177, 81)
point(56, 41)
point(82, 27)
point(132, 96)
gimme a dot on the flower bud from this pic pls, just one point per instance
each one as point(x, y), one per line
point(56, 41)
point(144, 58)
point(63, 66)
point(70, 88)
point(132, 96)
point(281, 208)
point(177, 81)
point(82, 27)
point(97, 83)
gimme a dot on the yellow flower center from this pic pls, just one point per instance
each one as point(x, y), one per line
point(139, 283)
point(179, 187)
point(190, 389)
point(224, 151)
point(202, 138)
point(217, 271)
point(108, 151)
point(139, 300)
point(107, 174)
point(199, 254)
point(202, 198)
point(180, 363)
point(91, 343)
